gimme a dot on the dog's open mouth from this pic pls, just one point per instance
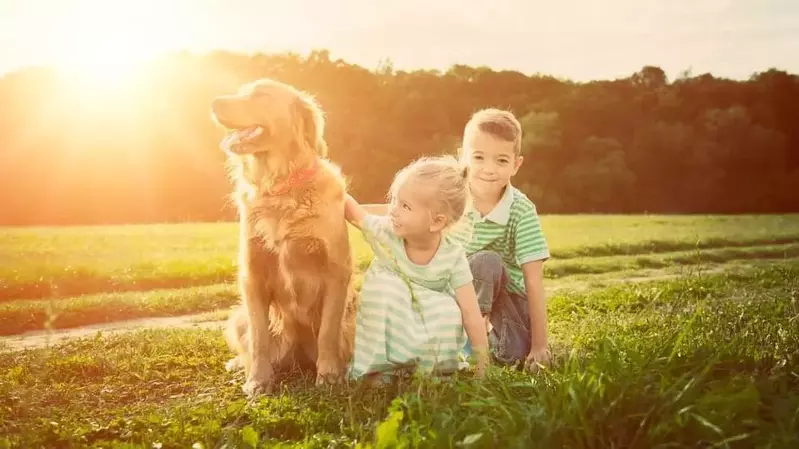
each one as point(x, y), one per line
point(247, 133)
point(237, 139)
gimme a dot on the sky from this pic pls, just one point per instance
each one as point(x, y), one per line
point(578, 40)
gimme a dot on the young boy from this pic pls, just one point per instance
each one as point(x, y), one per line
point(504, 242)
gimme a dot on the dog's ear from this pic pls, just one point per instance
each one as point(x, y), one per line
point(310, 126)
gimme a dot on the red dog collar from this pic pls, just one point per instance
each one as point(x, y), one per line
point(294, 179)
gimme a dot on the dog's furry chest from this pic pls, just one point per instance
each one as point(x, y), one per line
point(272, 232)
point(292, 266)
point(289, 247)
point(275, 226)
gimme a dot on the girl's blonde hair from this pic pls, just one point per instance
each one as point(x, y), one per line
point(448, 176)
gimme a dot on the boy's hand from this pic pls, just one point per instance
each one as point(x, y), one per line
point(534, 282)
point(481, 356)
point(536, 359)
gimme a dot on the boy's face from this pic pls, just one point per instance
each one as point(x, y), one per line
point(492, 162)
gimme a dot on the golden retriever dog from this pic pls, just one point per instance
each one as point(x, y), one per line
point(295, 262)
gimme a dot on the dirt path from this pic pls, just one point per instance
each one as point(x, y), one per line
point(587, 282)
point(38, 339)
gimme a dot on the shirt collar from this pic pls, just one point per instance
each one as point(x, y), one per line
point(500, 214)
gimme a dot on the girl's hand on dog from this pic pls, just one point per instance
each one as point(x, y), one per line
point(353, 212)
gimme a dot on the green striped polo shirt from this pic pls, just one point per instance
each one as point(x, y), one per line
point(512, 230)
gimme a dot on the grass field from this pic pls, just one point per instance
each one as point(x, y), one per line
point(48, 262)
point(667, 331)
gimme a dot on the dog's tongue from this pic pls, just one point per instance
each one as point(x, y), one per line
point(250, 133)
point(241, 136)
point(247, 133)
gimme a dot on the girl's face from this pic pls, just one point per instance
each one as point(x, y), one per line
point(411, 212)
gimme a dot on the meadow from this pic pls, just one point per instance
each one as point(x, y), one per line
point(667, 331)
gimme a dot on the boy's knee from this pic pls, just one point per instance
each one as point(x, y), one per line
point(486, 264)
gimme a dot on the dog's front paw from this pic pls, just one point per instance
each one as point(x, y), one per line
point(255, 387)
point(260, 381)
point(233, 364)
point(329, 372)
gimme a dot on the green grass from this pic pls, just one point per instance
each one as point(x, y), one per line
point(150, 300)
point(701, 361)
point(63, 313)
point(20, 316)
point(52, 262)
point(47, 262)
point(605, 264)
point(710, 360)
point(572, 236)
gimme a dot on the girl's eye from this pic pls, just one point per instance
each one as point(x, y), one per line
point(477, 157)
point(406, 206)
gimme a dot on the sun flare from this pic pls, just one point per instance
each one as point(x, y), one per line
point(110, 62)
point(107, 45)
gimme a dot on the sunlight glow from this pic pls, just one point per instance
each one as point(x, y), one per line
point(108, 43)
point(110, 60)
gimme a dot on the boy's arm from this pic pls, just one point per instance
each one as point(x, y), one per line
point(353, 211)
point(531, 252)
point(539, 344)
point(474, 325)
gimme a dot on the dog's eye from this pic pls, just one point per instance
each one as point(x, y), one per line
point(260, 96)
point(266, 132)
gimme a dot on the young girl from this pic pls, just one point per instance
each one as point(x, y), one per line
point(417, 296)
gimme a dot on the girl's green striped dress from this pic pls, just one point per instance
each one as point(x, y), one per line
point(407, 314)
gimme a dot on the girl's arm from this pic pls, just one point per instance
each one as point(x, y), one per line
point(474, 325)
point(353, 211)
point(375, 209)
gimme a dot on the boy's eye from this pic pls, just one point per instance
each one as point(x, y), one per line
point(503, 161)
point(406, 206)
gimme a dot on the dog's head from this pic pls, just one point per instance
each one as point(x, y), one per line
point(272, 126)
point(267, 116)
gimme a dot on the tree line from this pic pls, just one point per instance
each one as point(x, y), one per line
point(83, 151)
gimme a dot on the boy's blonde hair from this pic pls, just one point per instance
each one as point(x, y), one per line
point(448, 177)
point(499, 123)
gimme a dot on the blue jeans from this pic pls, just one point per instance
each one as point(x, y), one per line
point(509, 340)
